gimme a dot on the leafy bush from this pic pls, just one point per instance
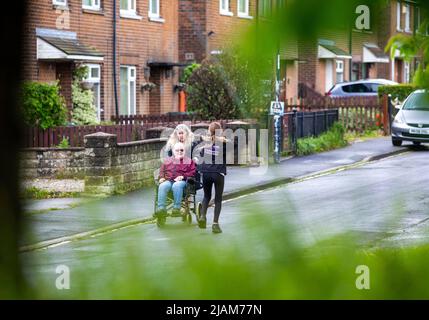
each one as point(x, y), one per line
point(400, 92)
point(84, 111)
point(210, 93)
point(229, 86)
point(64, 144)
point(253, 86)
point(43, 106)
point(332, 139)
point(187, 72)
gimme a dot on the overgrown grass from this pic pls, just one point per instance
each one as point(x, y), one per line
point(368, 134)
point(332, 139)
point(38, 194)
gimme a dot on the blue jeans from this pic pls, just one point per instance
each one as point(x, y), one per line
point(163, 190)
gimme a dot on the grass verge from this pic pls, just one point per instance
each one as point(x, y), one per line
point(334, 138)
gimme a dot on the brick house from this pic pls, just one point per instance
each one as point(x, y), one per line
point(206, 27)
point(61, 34)
point(355, 54)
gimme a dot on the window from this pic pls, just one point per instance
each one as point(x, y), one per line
point(417, 101)
point(373, 87)
point(224, 8)
point(264, 8)
point(417, 21)
point(356, 88)
point(91, 4)
point(243, 8)
point(407, 18)
point(128, 6)
point(93, 76)
point(407, 72)
point(59, 3)
point(128, 90)
point(398, 16)
point(154, 8)
point(340, 71)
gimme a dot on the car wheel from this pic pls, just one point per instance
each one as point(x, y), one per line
point(417, 143)
point(396, 142)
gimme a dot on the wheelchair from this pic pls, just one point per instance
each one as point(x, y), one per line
point(189, 205)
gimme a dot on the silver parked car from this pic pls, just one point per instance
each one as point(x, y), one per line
point(361, 88)
point(411, 123)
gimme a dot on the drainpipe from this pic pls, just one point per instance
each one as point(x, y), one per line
point(115, 85)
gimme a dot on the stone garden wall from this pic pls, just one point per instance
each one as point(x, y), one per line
point(104, 166)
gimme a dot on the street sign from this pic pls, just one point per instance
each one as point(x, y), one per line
point(277, 108)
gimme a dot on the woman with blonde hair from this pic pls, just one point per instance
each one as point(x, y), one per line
point(183, 134)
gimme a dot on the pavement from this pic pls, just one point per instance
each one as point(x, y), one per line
point(80, 219)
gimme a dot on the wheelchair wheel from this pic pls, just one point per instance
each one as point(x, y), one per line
point(198, 209)
point(160, 221)
point(189, 218)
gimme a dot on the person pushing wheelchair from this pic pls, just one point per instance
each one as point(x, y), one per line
point(172, 176)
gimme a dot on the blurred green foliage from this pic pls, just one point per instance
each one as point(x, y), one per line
point(400, 92)
point(266, 262)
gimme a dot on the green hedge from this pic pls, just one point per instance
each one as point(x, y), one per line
point(401, 91)
point(43, 106)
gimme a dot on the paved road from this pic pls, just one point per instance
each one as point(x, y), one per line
point(384, 203)
point(139, 204)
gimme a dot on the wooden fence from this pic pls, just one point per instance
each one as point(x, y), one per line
point(355, 114)
point(39, 138)
point(161, 120)
point(130, 130)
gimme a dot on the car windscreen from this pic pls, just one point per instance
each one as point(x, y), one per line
point(417, 101)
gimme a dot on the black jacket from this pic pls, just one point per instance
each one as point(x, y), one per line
point(210, 154)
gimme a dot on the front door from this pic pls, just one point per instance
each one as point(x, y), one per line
point(399, 71)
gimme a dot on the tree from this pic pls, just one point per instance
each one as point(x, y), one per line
point(412, 46)
point(210, 93)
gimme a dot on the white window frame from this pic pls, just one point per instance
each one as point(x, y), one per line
point(153, 14)
point(130, 79)
point(244, 13)
point(95, 5)
point(224, 11)
point(96, 80)
point(407, 18)
point(131, 11)
point(62, 3)
point(398, 16)
point(339, 68)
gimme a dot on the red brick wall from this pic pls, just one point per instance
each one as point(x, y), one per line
point(192, 29)
point(199, 18)
point(226, 28)
point(139, 41)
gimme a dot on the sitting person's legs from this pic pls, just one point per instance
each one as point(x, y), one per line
point(178, 188)
point(163, 190)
